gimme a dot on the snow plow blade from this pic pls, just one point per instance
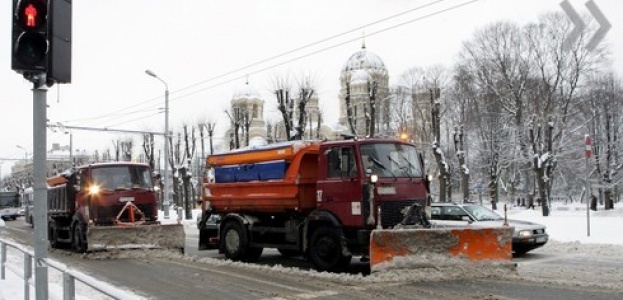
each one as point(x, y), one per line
point(169, 236)
point(413, 248)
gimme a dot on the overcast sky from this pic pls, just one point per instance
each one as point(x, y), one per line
point(203, 50)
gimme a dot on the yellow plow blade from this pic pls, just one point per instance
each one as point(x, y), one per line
point(409, 248)
point(149, 236)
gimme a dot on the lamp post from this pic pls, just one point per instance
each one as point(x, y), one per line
point(166, 143)
point(71, 148)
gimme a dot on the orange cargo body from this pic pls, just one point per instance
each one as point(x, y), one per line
point(281, 151)
point(295, 192)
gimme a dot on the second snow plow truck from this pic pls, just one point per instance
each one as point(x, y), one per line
point(330, 201)
point(107, 205)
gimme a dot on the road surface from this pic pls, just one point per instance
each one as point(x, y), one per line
point(155, 274)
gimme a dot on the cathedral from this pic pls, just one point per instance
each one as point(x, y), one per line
point(364, 74)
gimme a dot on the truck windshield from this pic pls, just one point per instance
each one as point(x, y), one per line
point(9, 199)
point(121, 177)
point(390, 160)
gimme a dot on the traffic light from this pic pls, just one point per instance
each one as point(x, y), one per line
point(59, 39)
point(30, 36)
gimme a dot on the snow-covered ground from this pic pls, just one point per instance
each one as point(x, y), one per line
point(566, 225)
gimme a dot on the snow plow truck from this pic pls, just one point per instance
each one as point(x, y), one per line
point(104, 205)
point(330, 201)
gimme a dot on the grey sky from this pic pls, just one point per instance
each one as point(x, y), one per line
point(192, 43)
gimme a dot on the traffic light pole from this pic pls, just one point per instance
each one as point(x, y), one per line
point(39, 92)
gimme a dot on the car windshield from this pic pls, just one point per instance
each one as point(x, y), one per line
point(122, 177)
point(390, 160)
point(481, 213)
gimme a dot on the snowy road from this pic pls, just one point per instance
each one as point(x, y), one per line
point(557, 271)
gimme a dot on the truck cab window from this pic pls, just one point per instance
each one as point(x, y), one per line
point(341, 163)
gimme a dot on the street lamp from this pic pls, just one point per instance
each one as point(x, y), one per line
point(166, 142)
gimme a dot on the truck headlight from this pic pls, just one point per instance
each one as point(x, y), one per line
point(94, 190)
point(374, 178)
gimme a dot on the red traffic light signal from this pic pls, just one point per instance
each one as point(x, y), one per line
point(31, 14)
point(30, 41)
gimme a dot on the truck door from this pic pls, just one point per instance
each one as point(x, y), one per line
point(339, 184)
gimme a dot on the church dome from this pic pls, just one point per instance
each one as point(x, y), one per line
point(246, 92)
point(364, 60)
point(360, 77)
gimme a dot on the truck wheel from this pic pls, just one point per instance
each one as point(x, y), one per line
point(236, 244)
point(80, 239)
point(325, 250)
point(52, 237)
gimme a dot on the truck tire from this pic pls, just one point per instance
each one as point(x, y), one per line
point(52, 236)
point(236, 244)
point(325, 250)
point(79, 238)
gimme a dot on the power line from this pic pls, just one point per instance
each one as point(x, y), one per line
point(328, 48)
point(292, 59)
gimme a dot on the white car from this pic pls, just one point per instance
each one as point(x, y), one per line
point(527, 236)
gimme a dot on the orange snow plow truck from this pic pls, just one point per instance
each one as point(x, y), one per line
point(107, 205)
point(330, 201)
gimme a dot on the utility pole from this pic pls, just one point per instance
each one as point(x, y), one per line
point(587, 153)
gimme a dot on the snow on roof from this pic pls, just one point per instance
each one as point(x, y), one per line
point(364, 60)
point(246, 92)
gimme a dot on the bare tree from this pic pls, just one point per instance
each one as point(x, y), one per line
point(605, 98)
point(445, 194)
point(148, 149)
point(234, 141)
point(349, 110)
point(371, 116)
point(460, 154)
point(175, 160)
point(184, 169)
point(543, 160)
